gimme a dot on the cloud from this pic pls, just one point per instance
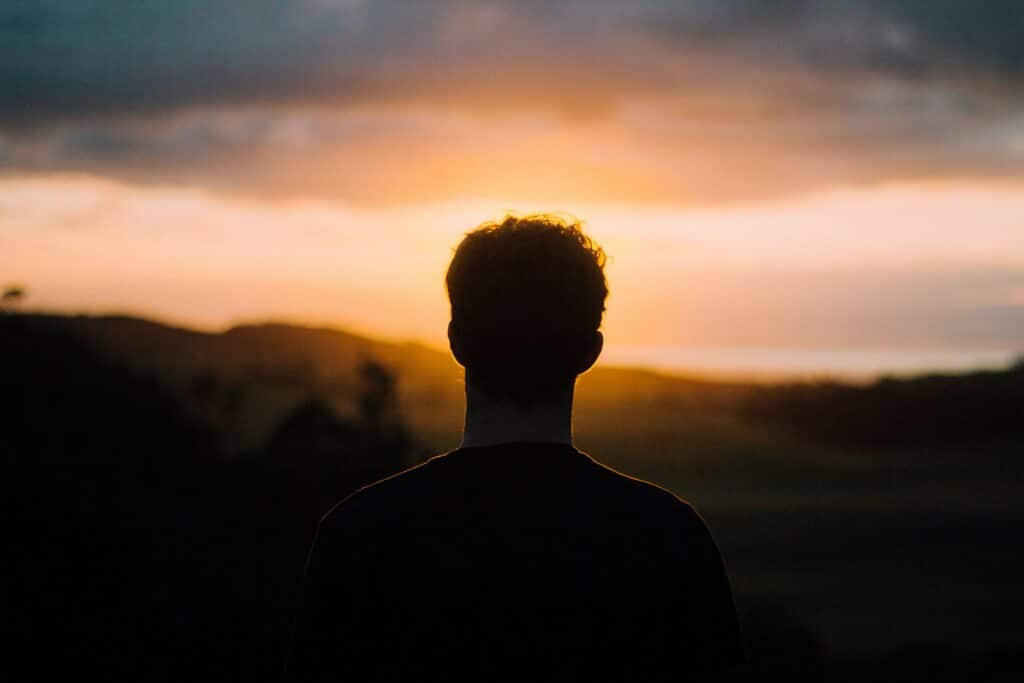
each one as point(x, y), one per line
point(696, 101)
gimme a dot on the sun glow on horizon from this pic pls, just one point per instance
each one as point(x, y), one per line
point(676, 272)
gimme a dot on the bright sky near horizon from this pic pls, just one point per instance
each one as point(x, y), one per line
point(826, 269)
point(789, 175)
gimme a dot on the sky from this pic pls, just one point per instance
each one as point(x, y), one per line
point(784, 174)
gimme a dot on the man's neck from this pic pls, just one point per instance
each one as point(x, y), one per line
point(491, 421)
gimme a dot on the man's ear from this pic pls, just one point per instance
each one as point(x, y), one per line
point(596, 345)
point(455, 343)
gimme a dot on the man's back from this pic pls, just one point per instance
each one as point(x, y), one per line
point(516, 561)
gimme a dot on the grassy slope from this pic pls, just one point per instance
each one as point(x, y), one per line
point(872, 542)
point(720, 439)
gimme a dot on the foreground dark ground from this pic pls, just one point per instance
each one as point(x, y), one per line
point(163, 486)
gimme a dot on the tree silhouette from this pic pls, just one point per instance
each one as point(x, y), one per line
point(378, 398)
point(12, 297)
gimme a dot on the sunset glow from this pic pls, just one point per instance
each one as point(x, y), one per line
point(855, 184)
point(810, 271)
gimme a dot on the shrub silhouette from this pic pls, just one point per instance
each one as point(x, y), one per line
point(144, 551)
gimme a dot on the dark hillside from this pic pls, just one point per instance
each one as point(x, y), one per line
point(140, 550)
point(162, 485)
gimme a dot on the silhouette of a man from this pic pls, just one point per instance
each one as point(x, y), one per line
point(516, 556)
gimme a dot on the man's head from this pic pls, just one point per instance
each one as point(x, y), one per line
point(527, 297)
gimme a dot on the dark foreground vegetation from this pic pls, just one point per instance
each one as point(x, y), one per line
point(162, 486)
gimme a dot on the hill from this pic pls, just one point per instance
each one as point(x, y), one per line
point(246, 379)
point(842, 510)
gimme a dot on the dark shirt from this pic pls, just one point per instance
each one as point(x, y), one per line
point(514, 562)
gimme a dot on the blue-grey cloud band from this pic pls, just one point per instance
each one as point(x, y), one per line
point(772, 96)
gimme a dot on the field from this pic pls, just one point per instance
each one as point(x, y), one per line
point(869, 530)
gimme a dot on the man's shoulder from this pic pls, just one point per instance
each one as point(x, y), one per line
point(380, 500)
point(644, 493)
point(396, 499)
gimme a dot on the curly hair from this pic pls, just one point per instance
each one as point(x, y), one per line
point(527, 295)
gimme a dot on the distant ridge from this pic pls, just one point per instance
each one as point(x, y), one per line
point(271, 367)
point(326, 351)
